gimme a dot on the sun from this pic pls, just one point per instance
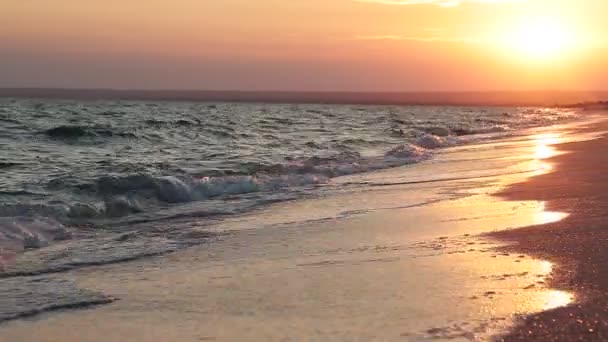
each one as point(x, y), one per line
point(540, 39)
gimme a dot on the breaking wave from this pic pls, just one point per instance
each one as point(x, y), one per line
point(106, 162)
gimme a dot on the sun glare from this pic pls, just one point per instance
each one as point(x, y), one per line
point(541, 39)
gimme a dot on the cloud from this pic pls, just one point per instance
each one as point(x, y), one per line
point(442, 3)
point(390, 37)
point(383, 37)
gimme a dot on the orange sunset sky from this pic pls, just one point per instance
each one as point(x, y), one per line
point(319, 45)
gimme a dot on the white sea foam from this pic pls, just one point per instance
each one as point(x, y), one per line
point(430, 141)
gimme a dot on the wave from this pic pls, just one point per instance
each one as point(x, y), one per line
point(33, 210)
point(20, 232)
point(475, 131)
point(118, 196)
point(178, 122)
point(69, 132)
point(436, 131)
point(406, 151)
point(124, 194)
point(488, 126)
point(227, 153)
point(77, 132)
point(6, 165)
point(188, 123)
point(431, 142)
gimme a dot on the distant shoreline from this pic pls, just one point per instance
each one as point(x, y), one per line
point(506, 98)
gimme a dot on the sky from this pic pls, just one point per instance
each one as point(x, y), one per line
point(305, 45)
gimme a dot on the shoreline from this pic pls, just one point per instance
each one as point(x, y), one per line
point(280, 273)
point(363, 266)
point(577, 185)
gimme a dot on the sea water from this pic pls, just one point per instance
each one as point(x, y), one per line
point(93, 183)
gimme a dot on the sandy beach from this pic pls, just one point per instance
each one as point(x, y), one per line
point(577, 186)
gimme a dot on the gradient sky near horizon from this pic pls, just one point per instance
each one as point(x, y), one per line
point(318, 45)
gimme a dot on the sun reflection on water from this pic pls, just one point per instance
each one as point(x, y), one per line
point(543, 148)
point(546, 267)
point(555, 299)
point(548, 138)
point(543, 151)
point(552, 299)
point(544, 217)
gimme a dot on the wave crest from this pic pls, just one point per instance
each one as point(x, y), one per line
point(77, 132)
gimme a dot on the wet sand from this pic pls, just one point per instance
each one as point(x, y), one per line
point(577, 245)
point(368, 277)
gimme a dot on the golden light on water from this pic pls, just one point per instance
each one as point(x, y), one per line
point(546, 267)
point(548, 138)
point(545, 217)
point(543, 145)
point(554, 298)
point(544, 151)
point(541, 150)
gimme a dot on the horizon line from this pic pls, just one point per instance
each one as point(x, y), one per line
point(3, 88)
point(423, 97)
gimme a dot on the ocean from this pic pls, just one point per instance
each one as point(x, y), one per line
point(90, 183)
point(111, 163)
